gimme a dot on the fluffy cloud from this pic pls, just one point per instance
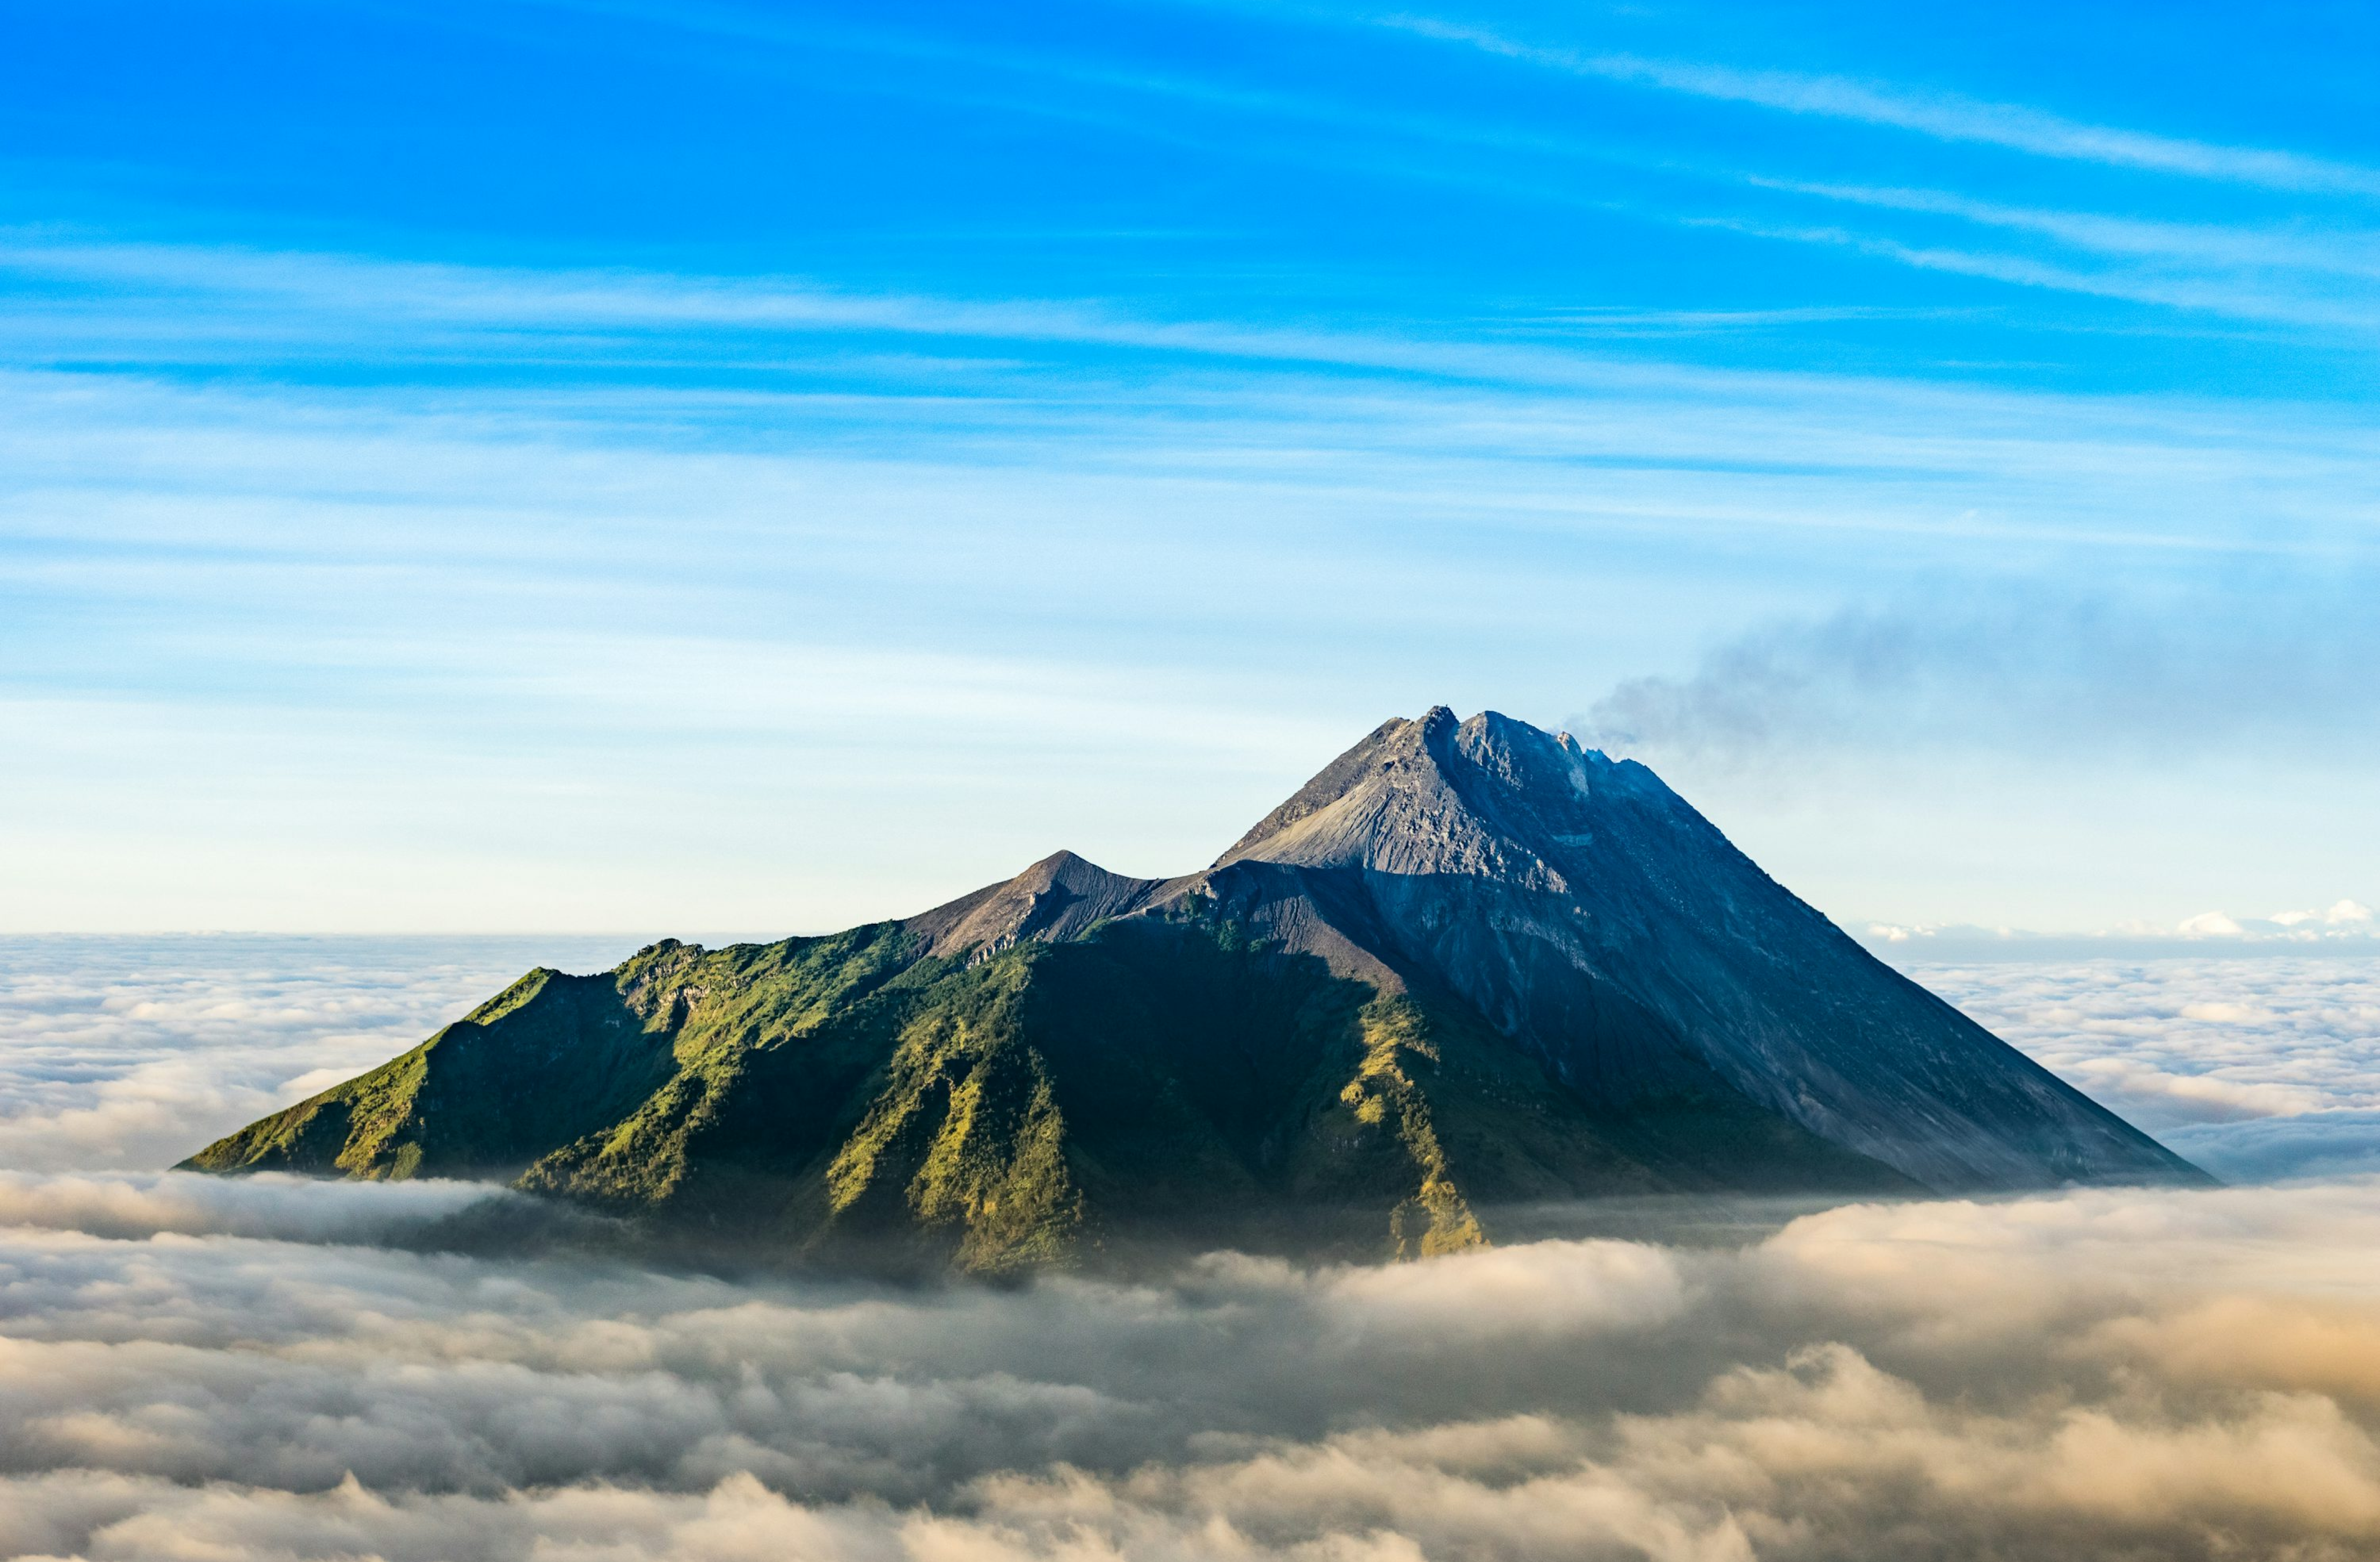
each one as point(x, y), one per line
point(2342, 914)
point(2167, 1375)
point(2341, 919)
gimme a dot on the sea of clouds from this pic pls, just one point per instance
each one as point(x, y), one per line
point(201, 1368)
point(131, 1052)
point(2259, 1067)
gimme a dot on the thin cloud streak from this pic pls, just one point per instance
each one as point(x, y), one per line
point(2243, 273)
point(1942, 115)
point(343, 306)
point(489, 297)
point(247, 476)
point(1949, 118)
point(2206, 295)
point(2344, 254)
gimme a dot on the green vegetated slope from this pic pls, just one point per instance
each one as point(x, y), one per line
point(550, 1058)
point(1162, 1081)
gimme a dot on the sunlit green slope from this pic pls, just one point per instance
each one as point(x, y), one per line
point(1156, 1081)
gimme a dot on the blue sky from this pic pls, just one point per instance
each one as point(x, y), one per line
point(657, 468)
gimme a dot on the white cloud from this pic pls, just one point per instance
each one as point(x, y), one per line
point(2341, 914)
point(2205, 1098)
point(132, 1204)
point(2208, 1052)
point(1557, 1290)
point(2162, 1374)
point(131, 1053)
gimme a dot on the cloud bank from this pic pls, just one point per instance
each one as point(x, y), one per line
point(271, 1205)
point(2260, 1069)
point(132, 1052)
point(197, 1368)
point(2117, 1374)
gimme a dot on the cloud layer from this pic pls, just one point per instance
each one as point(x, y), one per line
point(2259, 1068)
point(195, 1368)
point(2129, 1374)
point(131, 1053)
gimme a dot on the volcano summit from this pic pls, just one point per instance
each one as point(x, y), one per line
point(1470, 964)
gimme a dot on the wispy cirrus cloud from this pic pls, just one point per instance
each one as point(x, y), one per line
point(2302, 275)
point(1544, 164)
point(1551, 164)
point(2195, 289)
point(663, 330)
point(2350, 253)
point(1944, 117)
point(718, 494)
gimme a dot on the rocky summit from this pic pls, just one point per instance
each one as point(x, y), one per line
point(1470, 967)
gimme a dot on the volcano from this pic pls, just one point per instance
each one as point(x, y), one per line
point(1470, 966)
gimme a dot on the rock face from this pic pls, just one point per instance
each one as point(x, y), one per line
point(1470, 964)
point(1588, 912)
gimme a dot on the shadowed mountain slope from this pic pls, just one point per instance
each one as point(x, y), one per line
point(1469, 965)
point(1585, 910)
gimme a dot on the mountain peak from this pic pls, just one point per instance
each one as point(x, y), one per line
point(1483, 797)
point(1057, 898)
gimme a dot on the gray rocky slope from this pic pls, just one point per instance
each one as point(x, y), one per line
point(1591, 916)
